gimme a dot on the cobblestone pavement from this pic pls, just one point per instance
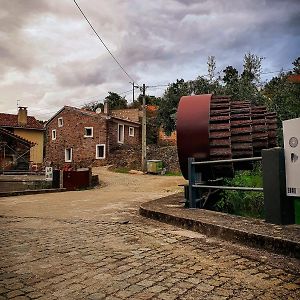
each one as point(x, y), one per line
point(121, 255)
point(138, 259)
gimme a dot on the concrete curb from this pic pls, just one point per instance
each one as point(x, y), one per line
point(31, 192)
point(156, 210)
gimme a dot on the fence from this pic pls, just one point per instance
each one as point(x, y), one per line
point(279, 208)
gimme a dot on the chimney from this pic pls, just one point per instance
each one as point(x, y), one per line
point(22, 116)
point(106, 108)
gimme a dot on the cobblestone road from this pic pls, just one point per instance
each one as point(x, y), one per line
point(130, 257)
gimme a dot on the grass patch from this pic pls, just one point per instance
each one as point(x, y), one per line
point(168, 173)
point(121, 170)
point(247, 204)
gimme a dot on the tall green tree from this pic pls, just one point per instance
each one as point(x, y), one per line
point(244, 86)
point(169, 102)
point(115, 101)
point(283, 97)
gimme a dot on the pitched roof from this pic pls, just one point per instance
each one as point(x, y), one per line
point(9, 120)
point(17, 137)
point(127, 115)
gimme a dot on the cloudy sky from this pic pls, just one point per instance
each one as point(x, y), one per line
point(50, 57)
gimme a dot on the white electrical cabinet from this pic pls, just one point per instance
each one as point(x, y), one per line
point(291, 137)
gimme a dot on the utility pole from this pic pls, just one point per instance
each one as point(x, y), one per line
point(132, 92)
point(133, 87)
point(144, 124)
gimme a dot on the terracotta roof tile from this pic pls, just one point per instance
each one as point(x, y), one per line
point(9, 120)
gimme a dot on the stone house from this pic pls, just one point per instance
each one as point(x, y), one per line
point(83, 138)
point(28, 128)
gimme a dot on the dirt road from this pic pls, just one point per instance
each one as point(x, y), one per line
point(119, 193)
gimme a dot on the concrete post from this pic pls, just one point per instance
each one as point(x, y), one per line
point(279, 208)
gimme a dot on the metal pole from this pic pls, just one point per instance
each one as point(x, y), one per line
point(226, 160)
point(222, 187)
point(144, 125)
point(132, 92)
point(192, 190)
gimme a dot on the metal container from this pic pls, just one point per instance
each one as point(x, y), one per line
point(154, 166)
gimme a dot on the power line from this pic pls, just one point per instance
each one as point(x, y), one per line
point(103, 42)
point(271, 72)
point(159, 85)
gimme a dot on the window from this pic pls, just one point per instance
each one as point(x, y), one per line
point(131, 131)
point(120, 133)
point(53, 134)
point(60, 122)
point(100, 151)
point(68, 154)
point(88, 131)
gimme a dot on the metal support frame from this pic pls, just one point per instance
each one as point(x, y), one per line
point(279, 208)
point(20, 155)
point(195, 187)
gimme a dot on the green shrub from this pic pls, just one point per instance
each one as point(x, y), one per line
point(249, 204)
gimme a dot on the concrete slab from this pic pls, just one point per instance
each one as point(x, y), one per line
point(283, 239)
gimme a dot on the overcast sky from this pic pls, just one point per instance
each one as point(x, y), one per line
point(50, 57)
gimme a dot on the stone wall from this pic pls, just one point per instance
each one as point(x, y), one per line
point(167, 154)
point(131, 158)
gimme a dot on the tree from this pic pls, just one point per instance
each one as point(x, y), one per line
point(115, 101)
point(169, 102)
point(283, 97)
point(92, 106)
point(150, 100)
point(296, 64)
point(211, 68)
point(252, 67)
point(232, 82)
point(231, 75)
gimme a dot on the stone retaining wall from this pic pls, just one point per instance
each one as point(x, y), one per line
point(131, 158)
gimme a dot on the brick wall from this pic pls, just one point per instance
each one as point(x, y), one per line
point(71, 135)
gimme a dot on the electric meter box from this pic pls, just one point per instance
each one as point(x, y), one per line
point(291, 136)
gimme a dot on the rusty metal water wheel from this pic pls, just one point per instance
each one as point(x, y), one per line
point(215, 128)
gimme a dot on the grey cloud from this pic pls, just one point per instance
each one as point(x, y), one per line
point(153, 40)
point(80, 74)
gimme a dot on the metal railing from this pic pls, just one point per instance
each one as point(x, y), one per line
point(194, 176)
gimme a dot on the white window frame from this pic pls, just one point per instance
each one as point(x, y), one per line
point(53, 134)
point(104, 151)
point(87, 136)
point(71, 154)
point(60, 122)
point(131, 131)
point(121, 141)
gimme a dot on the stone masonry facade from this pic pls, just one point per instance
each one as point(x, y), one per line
point(80, 138)
point(130, 141)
